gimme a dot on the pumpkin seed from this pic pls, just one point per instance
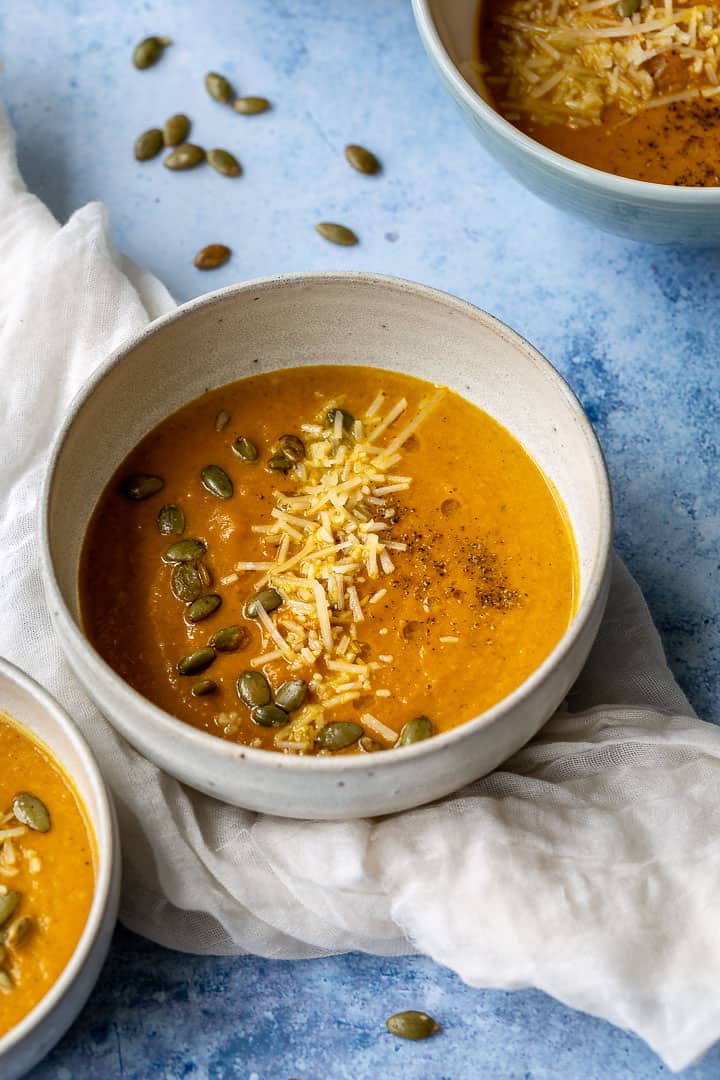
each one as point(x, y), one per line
point(19, 931)
point(245, 449)
point(368, 745)
point(253, 689)
point(197, 661)
point(149, 144)
point(336, 234)
point(184, 156)
point(212, 256)
point(6, 983)
point(338, 735)
point(222, 420)
point(412, 1025)
point(189, 550)
point(291, 695)
point(250, 106)
point(31, 811)
point(170, 520)
point(218, 87)
point(216, 481)
point(8, 902)
point(141, 486)
point(186, 582)
point(280, 463)
point(348, 419)
point(417, 729)
point(203, 607)
point(292, 448)
point(268, 599)
point(176, 129)
point(361, 159)
point(626, 8)
point(204, 687)
point(229, 639)
point(269, 716)
point(149, 51)
point(224, 162)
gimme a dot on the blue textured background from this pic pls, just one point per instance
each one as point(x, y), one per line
point(635, 329)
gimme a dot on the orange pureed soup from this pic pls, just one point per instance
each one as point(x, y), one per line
point(47, 872)
point(325, 559)
point(631, 87)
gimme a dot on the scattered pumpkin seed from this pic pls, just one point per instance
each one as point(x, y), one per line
point(336, 234)
point(216, 481)
point(176, 129)
point(6, 983)
point(224, 162)
point(368, 745)
point(338, 735)
point(19, 931)
point(411, 1024)
point(31, 811)
point(218, 87)
point(292, 448)
point(149, 144)
point(361, 159)
point(203, 607)
point(253, 689)
point(229, 639)
point(222, 420)
point(204, 687)
point(268, 599)
point(417, 729)
point(186, 582)
point(189, 550)
point(626, 8)
point(291, 695)
point(149, 51)
point(280, 463)
point(141, 486)
point(171, 520)
point(269, 716)
point(348, 419)
point(245, 449)
point(184, 156)
point(8, 902)
point(212, 256)
point(250, 106)
point(197, 661)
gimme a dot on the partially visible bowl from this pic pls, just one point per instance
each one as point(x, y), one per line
point(30, 1040)
point(341, 319)
point(658, 213)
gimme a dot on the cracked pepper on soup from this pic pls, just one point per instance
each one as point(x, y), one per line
point(327, 560)
point(631, 87)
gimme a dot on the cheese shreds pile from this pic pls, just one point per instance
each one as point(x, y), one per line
point(333, 553)
point(567, 61)
point(10, 854)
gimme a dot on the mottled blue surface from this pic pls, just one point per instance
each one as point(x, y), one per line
point(634, 328)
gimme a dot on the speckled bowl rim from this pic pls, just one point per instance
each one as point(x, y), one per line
point(170, 727)
point(681, 196)
point(106, 847)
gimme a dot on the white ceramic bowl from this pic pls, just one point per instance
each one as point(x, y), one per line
point(659, 213)
point(339, 319)
point(30, 1040)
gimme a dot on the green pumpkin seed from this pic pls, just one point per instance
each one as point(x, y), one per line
point(19, 931)
point(417, 729)
point(268, 599)
point(171, 520)
point(203, 607)
point(141, 486)
point(8, 902)
point(280, 463)
point(218, 87)
point(269, 716)
point(176, 129)
point(149, 144)
point(339, 735)
point(347, 418)
point(368, 745)
point(229, 638)
point(291, 695)
point(216, 481)
point(336, 234)
point(245, 449)
point(412, 1025)
point(626, 8)
point(189, 550)
point(361, 159)
point(186, 582)
point(224, 162)
point(184, 156)
point(31, 811)
point(149, 51)
point(292, 448)
point(212, 256)
point(197, 661)
point(222, 420)
point(204, 687)
point(250, 106)
point(6, 983)
point(253, 689)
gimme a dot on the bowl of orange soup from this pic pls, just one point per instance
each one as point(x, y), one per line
point(59, 872)
point(608, 111)
point(327, 545)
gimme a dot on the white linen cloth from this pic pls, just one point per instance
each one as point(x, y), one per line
point(588, 866)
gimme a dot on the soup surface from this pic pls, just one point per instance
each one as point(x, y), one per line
point(47, 872)
point(410, 562)
point(630, 88)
